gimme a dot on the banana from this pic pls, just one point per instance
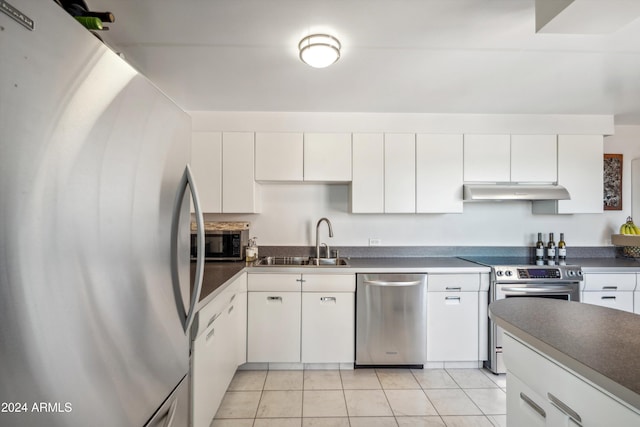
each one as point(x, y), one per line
point(623, 229)
point(636, 229)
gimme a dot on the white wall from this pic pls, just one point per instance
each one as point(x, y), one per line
point(290, 212)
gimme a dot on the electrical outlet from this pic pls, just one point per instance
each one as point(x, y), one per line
point(374, 242)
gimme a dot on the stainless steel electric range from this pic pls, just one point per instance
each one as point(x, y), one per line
point(513, 277)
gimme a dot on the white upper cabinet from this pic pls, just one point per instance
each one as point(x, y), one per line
point(534, 158)
point(222, 165)
point(239, 188)
point(510, 158)
point(327, 157)
point(580, 172)
point(367, 187)
point(400, 173)
point(487, 158)
point(279, 156)
point(439, 173)
point(206, 167)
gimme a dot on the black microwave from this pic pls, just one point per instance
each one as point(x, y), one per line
point(222, 245)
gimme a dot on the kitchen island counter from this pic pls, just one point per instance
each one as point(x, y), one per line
point(598, 343)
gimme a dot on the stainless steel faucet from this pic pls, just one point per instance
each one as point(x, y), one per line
point(318, 239)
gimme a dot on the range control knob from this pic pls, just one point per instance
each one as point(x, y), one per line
point(571, 273)
point(508, 273)
point(499, 273)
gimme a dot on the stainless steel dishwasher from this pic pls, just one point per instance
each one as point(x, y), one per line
point(391, 320)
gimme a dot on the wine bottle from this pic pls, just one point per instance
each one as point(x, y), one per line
point(562, 250)
point(539, 250)
point(551, 251)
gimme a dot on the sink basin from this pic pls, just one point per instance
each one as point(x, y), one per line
point(300, 262)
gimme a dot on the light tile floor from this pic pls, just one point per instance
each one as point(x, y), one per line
point(364, 398)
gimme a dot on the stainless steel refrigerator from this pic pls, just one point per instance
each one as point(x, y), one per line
point(94, 232)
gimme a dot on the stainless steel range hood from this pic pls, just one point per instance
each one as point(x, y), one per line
point(514, 191)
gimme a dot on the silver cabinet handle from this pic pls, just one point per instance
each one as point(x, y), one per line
point(609, 288)
point(328, 299)
point(533, 405)
point(230, 310)
point(210, 334)
point(187, 182)
point(301, 280)
point(564, 408)
point(452, 299)
point(213, 319)
point(453, 288)
point(274, 299)
point(383, 283)
point(608, 297)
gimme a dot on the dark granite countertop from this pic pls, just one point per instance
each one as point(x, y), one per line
point(607, 265)
point(599, 343)
point(216, 274)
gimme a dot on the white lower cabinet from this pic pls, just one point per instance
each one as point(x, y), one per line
point(453, 317)
point(542, 392)
point(306, 318)
point(273, 327)
point(328, 318)
point(217, 350)
point(613, 290)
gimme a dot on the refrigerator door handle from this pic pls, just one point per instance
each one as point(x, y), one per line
point(172, 413)
point(187, 181)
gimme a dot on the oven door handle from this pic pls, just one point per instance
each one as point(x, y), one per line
point(538, 290)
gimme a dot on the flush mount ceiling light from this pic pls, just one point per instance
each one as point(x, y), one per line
point(319, 50)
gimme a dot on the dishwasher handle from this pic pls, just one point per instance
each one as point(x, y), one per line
point(392, 283)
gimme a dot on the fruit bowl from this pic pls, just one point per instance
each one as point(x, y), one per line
point(625, 239)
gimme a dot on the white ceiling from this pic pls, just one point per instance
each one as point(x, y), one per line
point(419, 56)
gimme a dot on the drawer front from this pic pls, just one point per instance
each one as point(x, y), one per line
point(610, 282)
point(618, 300)
point(274, 282)
point(328, 283)
point(453, 282)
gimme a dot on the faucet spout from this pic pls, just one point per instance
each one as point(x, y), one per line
point(318, 236)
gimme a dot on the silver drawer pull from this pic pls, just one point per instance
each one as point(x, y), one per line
point(232, 297)
point(533, 405)
point(328, 299)
point(563, 407)
point(452, 300)
point(608, 297)
point(213, 319)
point(210, 334)
point(453, 288)
point(609, 288)
point(278, 299)
point(230, 309)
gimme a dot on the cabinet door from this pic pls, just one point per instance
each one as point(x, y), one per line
point(273, 333)
point(400, 173)
point(211, 371)
point(534, 158)
point(240, 321)
point(327, 157)
point(239, 190)
point(580, 172)
point(487, 158)
point(367, 187)
point(279, 156)
point(439, 173)
point(618, 300)
point(525, 407)
point(328, 327)
point(452, 326)
point(206, 166)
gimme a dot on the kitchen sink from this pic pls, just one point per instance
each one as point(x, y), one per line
point(300, 262)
